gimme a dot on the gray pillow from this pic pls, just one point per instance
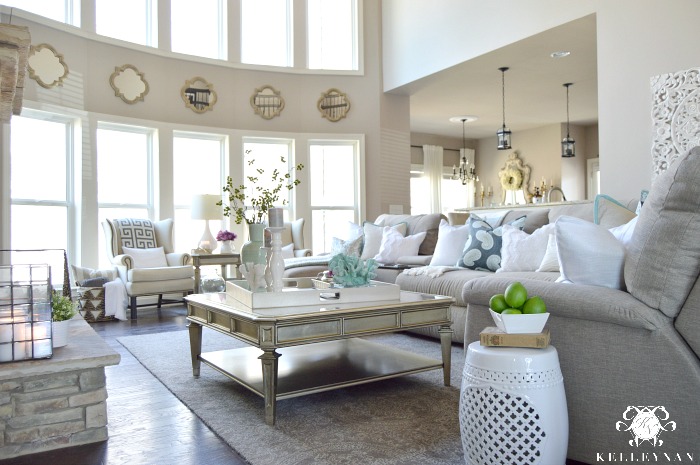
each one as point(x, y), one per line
point(663, 256)
point(483, 248)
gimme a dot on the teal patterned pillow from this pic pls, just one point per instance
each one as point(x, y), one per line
point(483, 248)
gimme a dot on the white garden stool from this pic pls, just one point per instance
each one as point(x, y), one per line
point(512, 407)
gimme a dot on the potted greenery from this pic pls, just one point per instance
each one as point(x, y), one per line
point(253, 208)
point(62, 310)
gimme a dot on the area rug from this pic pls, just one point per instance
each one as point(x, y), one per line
point(403, 421)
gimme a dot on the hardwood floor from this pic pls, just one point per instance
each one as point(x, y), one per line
point(148, 425)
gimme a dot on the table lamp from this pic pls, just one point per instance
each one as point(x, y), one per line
point(204, 207)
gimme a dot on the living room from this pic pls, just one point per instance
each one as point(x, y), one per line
point(396, 52)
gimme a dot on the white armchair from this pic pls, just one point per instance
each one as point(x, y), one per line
point(142, 251)
point(294, 233)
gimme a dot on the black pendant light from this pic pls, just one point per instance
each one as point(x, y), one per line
point(568, 145)
point(504, 133)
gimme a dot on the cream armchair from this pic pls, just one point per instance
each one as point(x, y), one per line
point(133, 247)
point(294, 233)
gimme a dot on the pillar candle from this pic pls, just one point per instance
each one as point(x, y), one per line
point(276, 217)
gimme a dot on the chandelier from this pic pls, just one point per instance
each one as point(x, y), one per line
point(466, 172)
point(568, 145)
point(504, 133)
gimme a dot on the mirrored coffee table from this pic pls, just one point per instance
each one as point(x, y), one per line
point(295, 351)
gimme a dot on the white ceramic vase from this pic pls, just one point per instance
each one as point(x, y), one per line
point(227, 247)
point(60, 333)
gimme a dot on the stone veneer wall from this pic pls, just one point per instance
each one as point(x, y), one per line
point(64, 404)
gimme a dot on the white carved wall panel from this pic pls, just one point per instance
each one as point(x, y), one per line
point(675, 115)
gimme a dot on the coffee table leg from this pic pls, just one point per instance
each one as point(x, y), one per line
point(446, 344)
point(195, 346)
point(269, 369)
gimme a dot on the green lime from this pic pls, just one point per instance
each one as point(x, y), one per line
point(534, 304)
point(498, 303)
point(515, 295)
point(511, 311)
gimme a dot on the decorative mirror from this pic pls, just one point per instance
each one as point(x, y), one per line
point(46, 66)
point(267, 102)
point(333, 105)
point(676, 116)
point(198, 95)
point(514, 177)
point(129, 83)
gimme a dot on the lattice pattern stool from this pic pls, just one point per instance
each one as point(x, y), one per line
point(512, 407)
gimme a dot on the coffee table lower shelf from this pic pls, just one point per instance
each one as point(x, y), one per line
point(323, 366)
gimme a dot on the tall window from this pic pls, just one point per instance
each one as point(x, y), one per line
point(124, 175)
point(332, 39)
point(65, 11)
point(131, 20)
point(267, 155)
point(40, 187)
point(266, 32)
point(197, 169)
point(198, 28)
point(334, 176)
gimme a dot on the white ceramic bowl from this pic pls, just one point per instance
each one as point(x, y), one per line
point(519, 324)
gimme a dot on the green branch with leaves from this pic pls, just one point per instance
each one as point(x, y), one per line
point(255, 209)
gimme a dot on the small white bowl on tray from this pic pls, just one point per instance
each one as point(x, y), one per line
point(520, 324)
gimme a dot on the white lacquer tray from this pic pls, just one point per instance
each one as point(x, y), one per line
point(300, 291)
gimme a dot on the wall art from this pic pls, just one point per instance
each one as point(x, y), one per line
point(267, 102)
point(333, 105)
point(46, 66)
point(198, 95)
point(129, 83)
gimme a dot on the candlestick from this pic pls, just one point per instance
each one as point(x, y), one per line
point(276, 264)
point(276, 217)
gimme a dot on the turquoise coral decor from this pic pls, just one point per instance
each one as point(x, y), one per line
point(351, 271)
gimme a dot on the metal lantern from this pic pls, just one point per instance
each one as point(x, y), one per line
point(503, 133)
point(568, 145)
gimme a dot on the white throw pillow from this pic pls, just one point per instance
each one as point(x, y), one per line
point(395, 245)
point(624, 232)
point(81, 274)
point(147, 258)
point(373, 238)
point(450, 243)
point(288, 251)
point(353, 231)
point(521, 251)
point(550, 261)
point(589, 253)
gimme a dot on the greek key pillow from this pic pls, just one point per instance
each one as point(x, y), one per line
point(483, 248)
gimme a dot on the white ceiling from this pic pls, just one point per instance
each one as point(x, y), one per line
point(534, 92)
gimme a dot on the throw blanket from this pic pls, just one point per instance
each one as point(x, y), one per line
point(319, 260)
point(430, 271)
point(115, 299)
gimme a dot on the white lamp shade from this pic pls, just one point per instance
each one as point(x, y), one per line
point(204, 207)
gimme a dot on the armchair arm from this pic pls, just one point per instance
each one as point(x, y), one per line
point(302, 252)
point(123, 260)
point(178, 259)
point(593, 303)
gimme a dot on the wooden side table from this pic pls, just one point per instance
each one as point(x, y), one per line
point(222, 259)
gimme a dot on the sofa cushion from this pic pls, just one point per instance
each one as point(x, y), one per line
point(450, 243)
point(427, 223)
point(610, 213)
point(373, 237)
point(160, 274)
point(449, 283)
point(535, 218)
point(589, 253)
point(550, 261)
point(395, 245)
point(577, 210)
point(482, 250)
point(351, 247)
point(522, 251)
point(663, 259)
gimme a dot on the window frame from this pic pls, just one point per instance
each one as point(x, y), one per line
point(356, 39)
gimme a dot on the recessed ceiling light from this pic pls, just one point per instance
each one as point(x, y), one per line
point(560, 54)
point(466, 118)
